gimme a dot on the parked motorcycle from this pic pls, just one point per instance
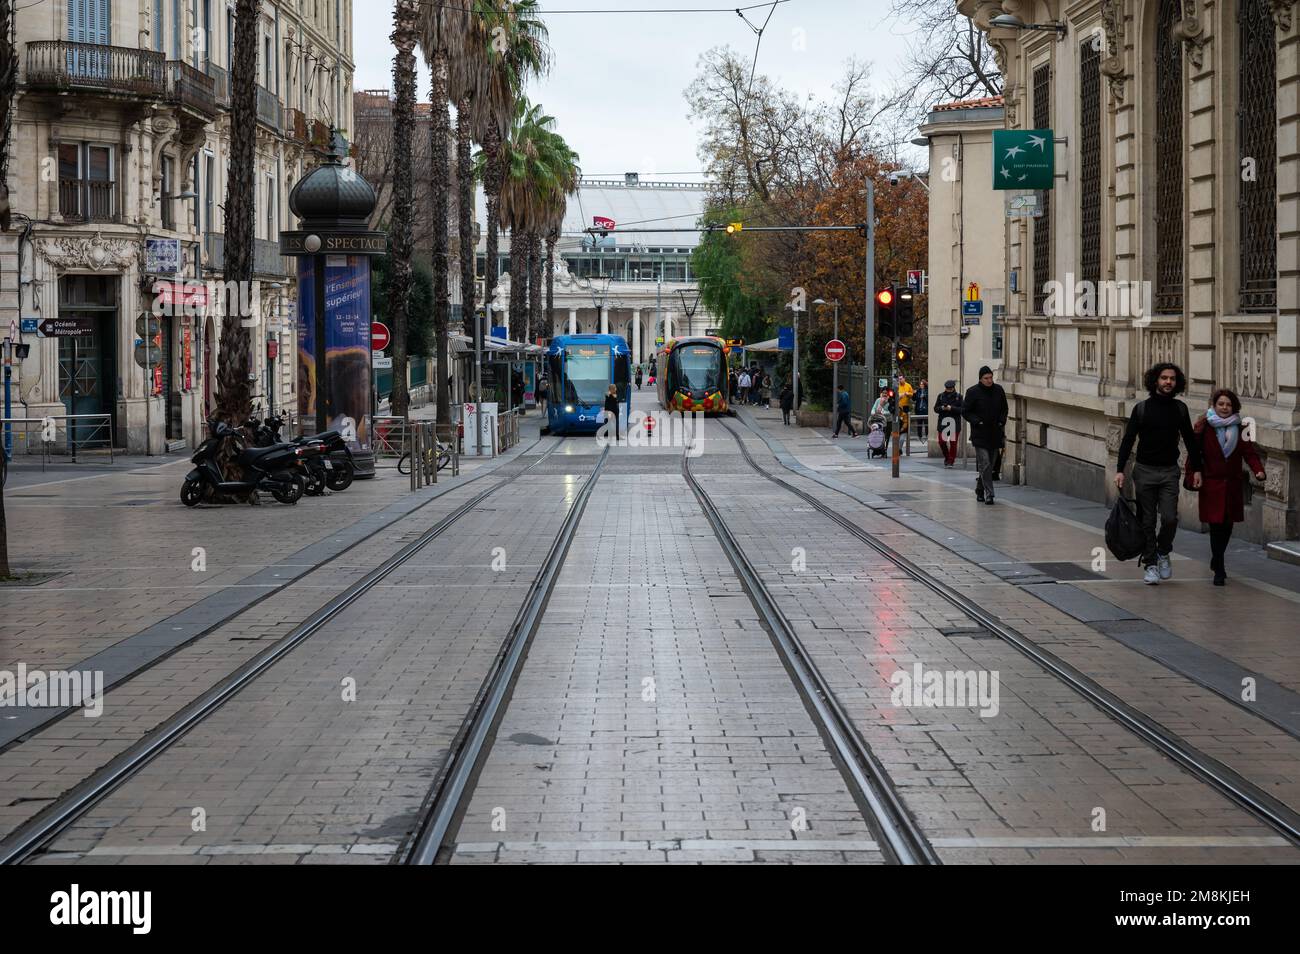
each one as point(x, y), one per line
point(273, 469)
point(333, 464)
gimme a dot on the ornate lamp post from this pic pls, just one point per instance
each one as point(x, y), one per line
point(333, 246)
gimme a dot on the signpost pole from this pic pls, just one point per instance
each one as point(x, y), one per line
point(488, 308)
point(835, 365)
point(869, 270)
point(9, 437)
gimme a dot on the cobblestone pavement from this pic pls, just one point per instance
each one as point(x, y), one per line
point(652, 720)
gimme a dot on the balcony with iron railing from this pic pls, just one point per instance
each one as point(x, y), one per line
point(95, 67)
point(191, 88)
point(296, 126)
point(87, 200)
point(268, 109)
point(267, 260)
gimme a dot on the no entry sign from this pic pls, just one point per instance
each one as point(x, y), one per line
point(835, 350)
point(379, 336)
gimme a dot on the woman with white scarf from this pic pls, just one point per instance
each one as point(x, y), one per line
point(1224, 447)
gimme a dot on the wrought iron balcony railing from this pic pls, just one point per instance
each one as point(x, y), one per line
point(63, 64)
point(191, 88)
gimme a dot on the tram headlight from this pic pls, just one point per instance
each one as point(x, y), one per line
point(568, 409)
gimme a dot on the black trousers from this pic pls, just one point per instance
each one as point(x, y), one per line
point(1220, 534)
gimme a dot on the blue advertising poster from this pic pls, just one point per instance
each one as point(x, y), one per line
point(347, 347)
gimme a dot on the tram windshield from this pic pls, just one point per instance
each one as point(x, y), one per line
point(586, 373)
point(700, 365)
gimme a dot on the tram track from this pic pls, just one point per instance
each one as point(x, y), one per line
point(39, 831)
point(899, 835)
point(209, 628)
point(1222, 778)
point(448, 796)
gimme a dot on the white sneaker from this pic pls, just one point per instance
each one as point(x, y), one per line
point(1152, 575)
point(1163, 565)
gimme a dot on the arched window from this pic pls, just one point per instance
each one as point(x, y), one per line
point(1169, 161)
point(1257, 139)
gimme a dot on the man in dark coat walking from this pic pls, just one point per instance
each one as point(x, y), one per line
point(985, 409)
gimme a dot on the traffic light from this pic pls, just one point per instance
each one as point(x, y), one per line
point(734, 227)
point(904, 313)
point(903, 354)
point(885, 304)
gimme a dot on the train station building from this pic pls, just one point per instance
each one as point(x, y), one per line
point(637, 284)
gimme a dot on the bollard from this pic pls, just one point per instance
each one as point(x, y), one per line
point(436, 452)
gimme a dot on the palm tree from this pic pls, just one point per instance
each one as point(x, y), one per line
point(528, 184)
point(444, 30)
point(567, 176)
point(234, 356)
point(517, 49)
point(405, 14)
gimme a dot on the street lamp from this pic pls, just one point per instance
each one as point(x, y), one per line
point(1012, 22)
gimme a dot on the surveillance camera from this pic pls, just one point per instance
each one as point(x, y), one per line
point(893, 178)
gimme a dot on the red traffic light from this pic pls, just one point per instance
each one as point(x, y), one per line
point(885, 297)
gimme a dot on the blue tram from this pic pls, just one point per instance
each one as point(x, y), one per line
point(580, 369)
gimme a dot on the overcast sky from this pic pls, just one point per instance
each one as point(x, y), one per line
point(615, 89)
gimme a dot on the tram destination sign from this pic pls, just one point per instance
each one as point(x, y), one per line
point(65, 327)
point(333, 243)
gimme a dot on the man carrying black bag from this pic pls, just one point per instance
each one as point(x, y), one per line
point(985, 409)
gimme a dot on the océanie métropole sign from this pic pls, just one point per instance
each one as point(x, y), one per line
point(334, 243)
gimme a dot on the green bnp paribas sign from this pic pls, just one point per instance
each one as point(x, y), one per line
point(1023, 159)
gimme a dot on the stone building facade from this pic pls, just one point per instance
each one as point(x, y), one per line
point(1177, 203)
point(117, 179)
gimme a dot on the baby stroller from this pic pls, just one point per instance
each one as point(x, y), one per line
point(877, 436)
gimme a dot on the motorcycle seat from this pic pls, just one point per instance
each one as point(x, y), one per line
point(257, 453)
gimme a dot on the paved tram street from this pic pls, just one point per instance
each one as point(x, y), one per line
point(665, 703)
point(598, 434)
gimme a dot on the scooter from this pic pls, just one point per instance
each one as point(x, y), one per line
point(265, 468)
point(333, 464)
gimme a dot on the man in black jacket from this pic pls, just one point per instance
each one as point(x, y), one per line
point(1156, 424)
point(947, 408)
point(985, 409)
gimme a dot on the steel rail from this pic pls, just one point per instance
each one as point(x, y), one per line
point(901, 836)
point(443, 806)
point(1224, 779)
point(268, 594)
point(38, 831)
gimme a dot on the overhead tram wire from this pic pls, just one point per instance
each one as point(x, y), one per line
point(464, 8)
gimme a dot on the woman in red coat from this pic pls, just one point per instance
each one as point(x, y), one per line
point(1223, 448)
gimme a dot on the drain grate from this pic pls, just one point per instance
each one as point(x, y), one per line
point(967, 632)
point(1066, 571)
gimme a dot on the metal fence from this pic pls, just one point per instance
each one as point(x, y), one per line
point(67, 434)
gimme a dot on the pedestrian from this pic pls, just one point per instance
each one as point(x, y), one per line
point(1224, 487)
point(611, 409)
point(985, 409)
point(760, 394)
point(787, 403)
point(1156, 424)
point(881, 407)
point(947, 408)
point(923, 410)
point(745, 383)
point(767, 390)
point(638, 377)
point(543, 391)
point(733, 387)
point(843, 412)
